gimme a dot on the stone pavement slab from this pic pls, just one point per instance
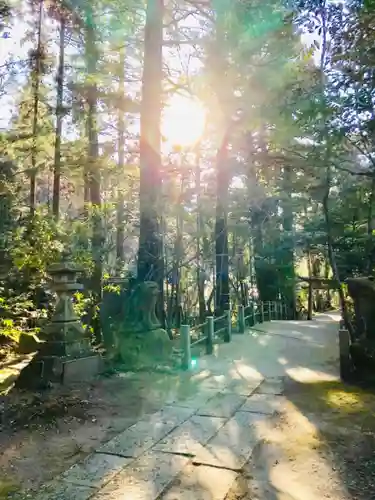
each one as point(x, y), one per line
point(223, 404)
point(189, 437)
point(61, 490)
point(96, 470)
point(144, 479)
point(266, 404)
point(145, 433)
point(274, 386)
point(242, 387)
point(232, 446)
point(195, 401)
point(200, 483)
point(217, 426)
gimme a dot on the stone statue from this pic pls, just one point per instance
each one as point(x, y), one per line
point(141, 310)
point(362, 291)
point(140, 342)
point(362, 350)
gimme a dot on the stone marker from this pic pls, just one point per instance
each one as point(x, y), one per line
point(222, 405)
point(144, 479)
point(147, 432)
point(96, 470)
point(191, 435)
point(200, 483)
point(233, 444)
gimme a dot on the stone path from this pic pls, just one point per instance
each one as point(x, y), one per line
point(192, 448)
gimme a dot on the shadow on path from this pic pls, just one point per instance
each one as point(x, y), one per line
point(154, 457)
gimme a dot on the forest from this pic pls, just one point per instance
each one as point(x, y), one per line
point(172, 172)
point(223, 150)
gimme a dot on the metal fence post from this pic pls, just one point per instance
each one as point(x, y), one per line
point(253, 313)
point(241, 318)
point(210, 335)
point(186, 348)
point(228, 330)
point(261, 312)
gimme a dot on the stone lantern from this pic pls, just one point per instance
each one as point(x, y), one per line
point(65, 353)
point(65, 329)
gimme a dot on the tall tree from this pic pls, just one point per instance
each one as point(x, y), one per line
point(37, 56)
point(150, 258)
point(93, 161)
point(59, 120)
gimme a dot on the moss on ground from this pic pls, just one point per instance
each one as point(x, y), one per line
point(343, 417)
point(9, 489)
point(336, 403)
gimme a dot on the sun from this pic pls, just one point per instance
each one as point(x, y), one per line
point(183, 121)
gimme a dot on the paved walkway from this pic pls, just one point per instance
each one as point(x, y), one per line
point(194, 448)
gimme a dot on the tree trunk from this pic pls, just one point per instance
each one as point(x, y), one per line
point(59, 121)
point(120, 234)
point(177, 259)
point(310, 301)
point(221, 228)
point(328, 304)
point(150, 258)
point(332, 259)
point(94, 176)
point(288, 283)
point(200, 268)
point(327, 165)
point(36, 74)
point(370, 229)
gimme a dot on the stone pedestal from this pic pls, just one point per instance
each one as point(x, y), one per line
point(65, 353)
point(345, 359)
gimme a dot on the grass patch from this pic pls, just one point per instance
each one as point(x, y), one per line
point(8, 489)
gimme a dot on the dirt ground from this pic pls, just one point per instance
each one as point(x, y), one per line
point(42, 434)
point(321, 446)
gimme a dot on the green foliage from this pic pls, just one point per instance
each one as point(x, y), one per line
point(291, 123)
point(37, 246)
point(19, 314)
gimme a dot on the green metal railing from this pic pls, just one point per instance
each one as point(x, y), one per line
point(207, 332)
point(210, 331)
point(258, 312)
